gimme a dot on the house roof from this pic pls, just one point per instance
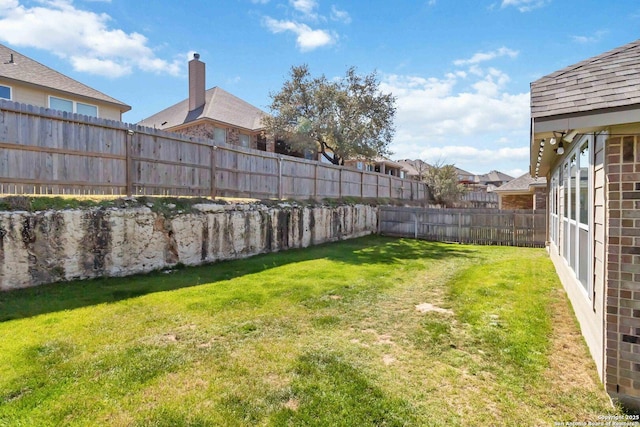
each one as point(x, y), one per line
point(611, 79)
point(220, 106)
point(493, 176)
point(463, 175)
point(414, 167)
point(26, 70)
point(521, 184)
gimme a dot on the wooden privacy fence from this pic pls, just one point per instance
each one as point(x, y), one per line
point(474, 226)
point(50, 152)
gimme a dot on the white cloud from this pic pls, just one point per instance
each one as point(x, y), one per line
point(99, 66)
point(487, 56)
point(525, 5)
point(82, 37)
point(340, 15)
point(465, 152)
point(306, 7)
point(307, 38)
point(594, 38)
point(462, 118)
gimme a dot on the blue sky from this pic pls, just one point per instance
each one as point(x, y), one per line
point(460, 69)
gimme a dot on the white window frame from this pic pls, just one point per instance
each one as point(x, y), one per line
point(10, 92)
point(74, 105)
point(572, 204)
point(219, 131)
point(554, 207)
point(247, 138)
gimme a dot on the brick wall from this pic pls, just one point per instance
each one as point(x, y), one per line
point(540, 198)
point(517, 201)
point(205, 130)
point(622, 370)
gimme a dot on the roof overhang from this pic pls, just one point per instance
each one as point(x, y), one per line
point(119, 105)
point(543, 156)
point(205, 120)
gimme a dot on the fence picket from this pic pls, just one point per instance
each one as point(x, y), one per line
point(474, 226)
point(45, 151)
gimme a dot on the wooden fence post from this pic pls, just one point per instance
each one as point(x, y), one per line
point(460, 227)
point(362, 184)
point(280, 178)
point(315, 182)
point(514, 229)
point(213, 171)
point(340, 183)
point(129, 161)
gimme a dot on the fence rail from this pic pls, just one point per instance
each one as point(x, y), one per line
point(474, 226)
point(50, 152)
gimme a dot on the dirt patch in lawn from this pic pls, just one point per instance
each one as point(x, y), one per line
point(426, 307)
point(568, 350)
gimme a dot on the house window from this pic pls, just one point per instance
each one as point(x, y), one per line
point(575, 201)
point(584, 184)
point(573, 174)
point(553, 208)
point(245, 141)
point(72, 106)
point(61, 104)
point(5, 92)
point(86, 109)
point(219, 135)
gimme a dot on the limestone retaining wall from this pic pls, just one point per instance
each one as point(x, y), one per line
point(45, 247)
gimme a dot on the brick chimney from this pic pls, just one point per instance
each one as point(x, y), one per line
point(196, 83)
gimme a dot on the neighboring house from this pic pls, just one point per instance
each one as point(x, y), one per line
point(523, 192)
point(214, 114)
point(27, 81)
point(379, 164)
point(465, 178)
point(492, 180)
point(585, 126)
point(414, 169)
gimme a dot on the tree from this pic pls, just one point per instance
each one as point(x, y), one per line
point(442, 180)
point(341, 119)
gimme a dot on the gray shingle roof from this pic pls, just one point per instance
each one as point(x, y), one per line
point(414, 167)
point(611, 79)
point(219, 105)
point(493, 176)
point(26, 70)
point(521, 184)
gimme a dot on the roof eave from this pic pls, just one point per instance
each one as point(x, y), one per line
point(201, 120)
point(543, 127)
point(120, 105)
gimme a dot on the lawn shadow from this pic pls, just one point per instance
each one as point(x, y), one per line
point(24, 303)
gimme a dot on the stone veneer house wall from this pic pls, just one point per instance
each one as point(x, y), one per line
point(585, 138)
point(213, 114)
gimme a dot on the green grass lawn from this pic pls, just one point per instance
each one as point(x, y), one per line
point(325, 336)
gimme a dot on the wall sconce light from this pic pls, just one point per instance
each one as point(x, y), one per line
point(569, 137)
point(552, 141)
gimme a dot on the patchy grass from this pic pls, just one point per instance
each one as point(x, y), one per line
point(323, 336)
